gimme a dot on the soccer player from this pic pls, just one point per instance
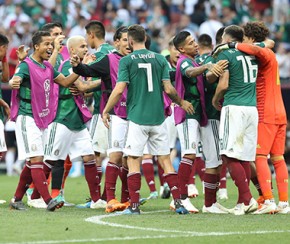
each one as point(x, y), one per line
point(189, 85)
point(209, 133)
point(272, 120)
point(239, 117)
point(147, 75)
point(68, 134)
point(34, 105)
point(95, 36)
point(106, 67)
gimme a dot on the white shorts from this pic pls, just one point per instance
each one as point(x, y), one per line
point(30, 139)
point(62, 141)
point(3, 147)
point(171, 129)
point(99, 134)
point(139, 135)
point(210, 143)
point(238, 132)
point(117, 134)
point(189, 136)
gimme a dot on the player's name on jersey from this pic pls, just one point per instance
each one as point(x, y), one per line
point(142, 55)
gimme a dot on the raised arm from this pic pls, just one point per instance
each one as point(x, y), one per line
point(57, 46)
point(260, 53)
point(87, 85)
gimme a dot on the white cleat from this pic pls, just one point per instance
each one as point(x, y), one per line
point(222, 194)
point(253, 206)
point(36, 203)
point(283, 208)
point(188, 205)
point(171, 205)
point(98, 204)
point(2, 201)
point(238, 209)
point(216, 208)
point(192, 190)
point(268, 207)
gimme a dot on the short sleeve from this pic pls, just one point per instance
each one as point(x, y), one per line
point(22, 70)
point(185, 64)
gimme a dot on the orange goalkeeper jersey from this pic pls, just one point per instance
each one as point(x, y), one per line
point(269, 97)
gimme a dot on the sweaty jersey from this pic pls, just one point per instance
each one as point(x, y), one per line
point(25, 87)
point(144, 72)
point(68, 112)
point(269, 98)
point(211, 112)
point(243, 71)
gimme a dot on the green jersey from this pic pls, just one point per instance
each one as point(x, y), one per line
point(211, 112)
point(68, 112)
point(144, 72)
point(243, 71)
point(58, 61)
point(201, 58)
point(191, 94)
point(25, 87)
point(102, 50)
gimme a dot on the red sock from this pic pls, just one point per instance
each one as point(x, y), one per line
point(247, 168)
point(184, 171)
point(67, 167)
point(192, 175)
point(223, 177)
point(238, 175)
point(112, 172)
point(40, 180)
point(134, 185)
point(91, 175)
point(125, 192)
point(200, 167)
point(148, 171)
point(281, 179)
point(24, 182)
point(210, 189)
point(46, 169)
point(172, 181)
point(160, 174)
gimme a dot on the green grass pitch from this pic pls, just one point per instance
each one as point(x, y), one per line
point(155, 225)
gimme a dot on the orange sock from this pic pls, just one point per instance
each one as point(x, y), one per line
point(31, 186)
point(264, 176)
point(67, 167)
point(55, 192)
point(281, 177)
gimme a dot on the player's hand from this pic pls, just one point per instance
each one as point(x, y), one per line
point(222, 47)
point(187, 106)
point(58, 42)
point(74, 90)
point(75, 60)
point(22, 53)
point(217, 105)
point(218, 68)
point(106, 119)
point(88, 58)
point(15, 82)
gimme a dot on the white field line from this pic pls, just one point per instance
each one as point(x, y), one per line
point(98, 220)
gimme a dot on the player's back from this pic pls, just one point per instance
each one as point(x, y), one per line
point(242, 78)
point(269, 98)
point(145, 72)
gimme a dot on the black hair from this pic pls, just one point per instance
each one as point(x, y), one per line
point(3, 40)
point(204, 40)
point(137, 32)
point(219, 34)
point(179, 39)
point(119, 32)
point(37, 37)
point(49, 26)
point(236, 32)
point(97, 28)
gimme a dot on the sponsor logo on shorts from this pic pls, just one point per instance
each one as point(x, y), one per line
point(56, 152)
point(33, 147)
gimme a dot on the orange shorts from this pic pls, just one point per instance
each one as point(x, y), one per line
point(271, 139)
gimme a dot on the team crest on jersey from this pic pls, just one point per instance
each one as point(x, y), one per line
point(33, 147)
point(193, 145)
point(116, 143)
point(184, 65)
point(56, 152)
